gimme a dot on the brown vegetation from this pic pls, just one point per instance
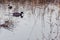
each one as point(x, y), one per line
point(31, 1)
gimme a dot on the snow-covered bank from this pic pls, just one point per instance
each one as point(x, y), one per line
point(38, 23)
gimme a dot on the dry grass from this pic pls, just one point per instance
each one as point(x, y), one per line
point(40, 2)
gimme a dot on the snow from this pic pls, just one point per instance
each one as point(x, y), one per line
point(33, 26)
